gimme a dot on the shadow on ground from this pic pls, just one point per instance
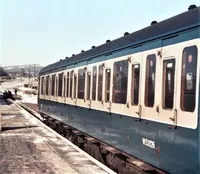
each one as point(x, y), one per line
point(16, 127)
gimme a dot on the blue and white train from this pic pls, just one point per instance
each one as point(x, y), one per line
point(138, 93)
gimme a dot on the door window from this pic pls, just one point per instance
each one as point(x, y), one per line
point(168, 83)
point(188, 78)
point(107, 86)
point(135, 84)
point(150, 80)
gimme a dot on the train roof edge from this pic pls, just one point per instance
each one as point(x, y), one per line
point(183, 21)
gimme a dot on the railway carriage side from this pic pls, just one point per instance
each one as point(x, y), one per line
point(142, 100)
point(147, 124)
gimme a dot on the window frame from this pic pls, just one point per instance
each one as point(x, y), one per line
point(75, 83)
point(100, 83)
point(68, 84)
point(64, 85)
point(120, 92)
point(42, 85)
point(53, 81)
point(94, 83)
point(81, 84)
point(60, 84)
point(88, 87)
point(71, 84)
point(47, 85)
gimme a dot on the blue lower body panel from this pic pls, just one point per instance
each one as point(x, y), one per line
point(176, 150)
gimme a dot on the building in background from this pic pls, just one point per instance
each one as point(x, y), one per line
point(3, 75)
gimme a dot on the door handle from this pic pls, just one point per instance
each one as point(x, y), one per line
point(174, 119)
point(157, 109)
point(139, 112)
point(109, 107)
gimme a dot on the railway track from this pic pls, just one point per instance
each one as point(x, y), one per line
point(116, 160)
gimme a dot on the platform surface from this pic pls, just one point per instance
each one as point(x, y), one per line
point(28, 147)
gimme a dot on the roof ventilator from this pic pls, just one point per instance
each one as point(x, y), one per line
point(192, 7)
point(107, 41)
point(126, 33)
point(154, 22)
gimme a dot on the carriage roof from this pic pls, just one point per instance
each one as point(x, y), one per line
point(183, 21)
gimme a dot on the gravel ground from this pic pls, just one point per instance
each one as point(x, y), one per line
point(19, 153)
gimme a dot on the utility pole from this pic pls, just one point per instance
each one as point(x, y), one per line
point(22, 73)
point(29, 71)
point(34, 70)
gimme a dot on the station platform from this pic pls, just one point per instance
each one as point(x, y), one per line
point(27, 146)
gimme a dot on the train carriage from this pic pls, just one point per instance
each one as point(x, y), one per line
point(138, 93)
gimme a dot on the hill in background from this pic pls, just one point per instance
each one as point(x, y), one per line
point(3, 72)
point(23, 70)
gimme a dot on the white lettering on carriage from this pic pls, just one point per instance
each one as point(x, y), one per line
point(148, 143)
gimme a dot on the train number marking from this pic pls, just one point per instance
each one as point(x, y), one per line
point(148, 143)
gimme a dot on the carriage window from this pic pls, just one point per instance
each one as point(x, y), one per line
point(64, 92)
point(75, 83)
point(56, 86)
point(71, 83)
point(120, 77)
point(135, 84)
point(53, 84)
point(47, 85)
point(150, 80)
point(42, 86)
point(67, 90)
point(188, 78)
point(100, 83)
point(60, 80)
point(168, 83)
point(81, 83)
point(88, 85)
point(107, 86)
point(94, 81)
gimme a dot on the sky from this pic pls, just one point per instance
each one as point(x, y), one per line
point(45, 31)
